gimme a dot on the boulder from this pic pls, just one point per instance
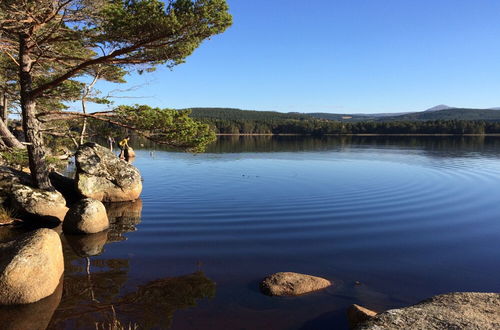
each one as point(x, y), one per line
point(16, 190)
point(9, 177)
point(37, 203)
point(357, 314)
point(130, 152)
point(87, 216)
point(30, 267)
point(35, 316)
point(103, 176)
point(461, 310)
point(292, 284)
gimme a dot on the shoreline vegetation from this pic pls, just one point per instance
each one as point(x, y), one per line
point(353, 134)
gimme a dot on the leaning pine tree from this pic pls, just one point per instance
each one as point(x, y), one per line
point(65, 39)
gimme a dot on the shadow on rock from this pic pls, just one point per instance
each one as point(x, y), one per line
point(31, 316)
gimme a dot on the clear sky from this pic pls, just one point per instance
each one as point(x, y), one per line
point(346, 56)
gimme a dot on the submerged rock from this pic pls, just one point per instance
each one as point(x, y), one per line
point(292, 284)
point(103, 176)
point(87, 216)
point(461, 310)
point(30, 267)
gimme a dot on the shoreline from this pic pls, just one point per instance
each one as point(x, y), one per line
point(360, 134)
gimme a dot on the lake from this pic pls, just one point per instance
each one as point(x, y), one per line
point(407, 217)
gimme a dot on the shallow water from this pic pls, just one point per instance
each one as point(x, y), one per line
point(406, 217)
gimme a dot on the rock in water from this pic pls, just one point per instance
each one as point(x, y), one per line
point(461, 310)
point(292, 284)
point(87, 216)
point(103, 176)
point(30, 267)
point(357, 314)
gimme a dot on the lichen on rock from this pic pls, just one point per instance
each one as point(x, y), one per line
point(103, 176)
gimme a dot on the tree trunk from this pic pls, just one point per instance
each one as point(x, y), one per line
point(31, 125)
point(8, 138)
point(4, 108)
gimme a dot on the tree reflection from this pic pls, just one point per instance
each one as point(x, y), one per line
point(95, 286)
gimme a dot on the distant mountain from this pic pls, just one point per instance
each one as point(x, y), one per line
point(449, 114)
point(438, 108)
point(497, 108)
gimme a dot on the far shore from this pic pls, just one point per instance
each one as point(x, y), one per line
point(271, 134)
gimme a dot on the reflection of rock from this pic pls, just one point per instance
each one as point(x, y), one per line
point(31, 316)
point(103, 176)
point(123, 218)
point(87, 216)
point(154, 303)
point(292, 284)
point(88, 245)
point(463, 310)
point(30, 267)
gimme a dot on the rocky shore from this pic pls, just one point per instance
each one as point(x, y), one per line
point(31, 264)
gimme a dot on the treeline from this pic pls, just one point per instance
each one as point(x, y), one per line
point(326, 127)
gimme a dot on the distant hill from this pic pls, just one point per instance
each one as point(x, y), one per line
point(440, 112)
point(439, 108)
point(227, 121)
point(449, 114)
point(238, 114)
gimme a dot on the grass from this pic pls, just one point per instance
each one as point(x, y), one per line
point(6, 216)
point(114, 324)
point(16, 158)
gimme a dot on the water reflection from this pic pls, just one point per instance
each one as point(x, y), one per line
point(96, 287)
point(124, 218)
point(88, 245)
point(31, 316)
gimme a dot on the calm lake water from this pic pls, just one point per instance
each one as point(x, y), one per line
point(407, 217)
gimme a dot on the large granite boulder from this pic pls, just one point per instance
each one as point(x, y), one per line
point(103, 176)
point(292, 284)
point(41, 204)
point(17, 191)
point(30, 267)
point(35, 316)
point(461, 310)
point(87, 216)
point(9, 177)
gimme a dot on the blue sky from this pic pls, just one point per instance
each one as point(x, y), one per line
point(346, 56)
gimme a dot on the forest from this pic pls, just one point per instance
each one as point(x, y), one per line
point(235, 121)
